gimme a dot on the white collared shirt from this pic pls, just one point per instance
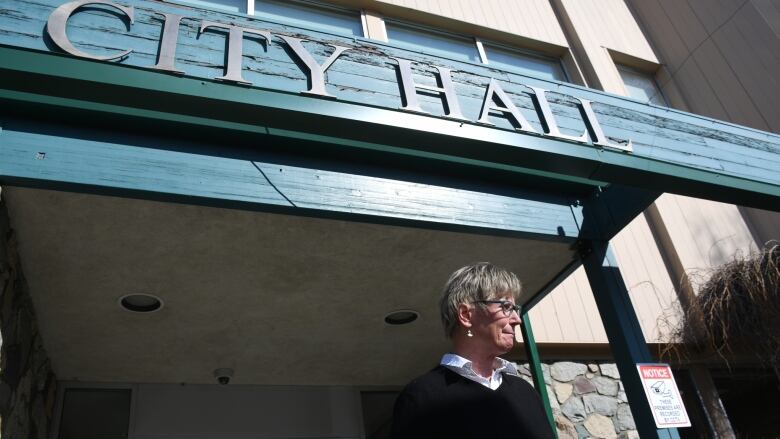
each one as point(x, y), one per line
point(463, 367)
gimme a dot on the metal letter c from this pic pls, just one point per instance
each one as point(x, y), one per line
point(58, 21)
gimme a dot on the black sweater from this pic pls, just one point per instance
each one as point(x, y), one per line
point(443, 404)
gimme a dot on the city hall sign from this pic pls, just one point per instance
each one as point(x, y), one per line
point(495, 98)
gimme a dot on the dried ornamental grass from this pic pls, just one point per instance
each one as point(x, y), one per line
point(737, 308)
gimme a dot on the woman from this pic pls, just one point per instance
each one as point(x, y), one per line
point(473, 393)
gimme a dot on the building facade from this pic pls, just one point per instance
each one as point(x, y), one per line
point(253, 191)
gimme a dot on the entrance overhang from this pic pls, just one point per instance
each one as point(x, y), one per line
point(490, 153)
point(672, 151)
point(198, 155)
point(280, 298)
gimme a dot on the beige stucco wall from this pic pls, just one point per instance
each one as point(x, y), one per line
point(720, 60)
point(705, 233)
point(721, 55)
point(601, 30)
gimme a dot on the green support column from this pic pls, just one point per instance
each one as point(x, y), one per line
point(536, 367)
point(625, 335)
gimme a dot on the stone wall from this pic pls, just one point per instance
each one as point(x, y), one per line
point(587, 399)
point(27, 384)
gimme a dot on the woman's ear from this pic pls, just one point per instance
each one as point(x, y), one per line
point(464, 315)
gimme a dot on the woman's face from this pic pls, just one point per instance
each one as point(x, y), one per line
point(493, 328)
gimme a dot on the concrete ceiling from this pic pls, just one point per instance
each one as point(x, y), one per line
point(281, 299)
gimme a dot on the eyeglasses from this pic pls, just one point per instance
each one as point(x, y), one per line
point(506, 306)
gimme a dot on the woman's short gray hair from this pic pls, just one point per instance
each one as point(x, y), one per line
point(475, 282)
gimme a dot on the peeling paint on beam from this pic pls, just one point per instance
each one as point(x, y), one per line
point(667, 143)
point(31, 154)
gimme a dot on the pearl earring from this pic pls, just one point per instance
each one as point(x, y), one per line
point(468, 333)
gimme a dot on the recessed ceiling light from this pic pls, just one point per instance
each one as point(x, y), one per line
point(140, 302)
point(401, 317)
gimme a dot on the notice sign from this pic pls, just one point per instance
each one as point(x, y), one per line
point(663, 396)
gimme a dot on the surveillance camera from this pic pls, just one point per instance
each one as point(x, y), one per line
point(223, 375)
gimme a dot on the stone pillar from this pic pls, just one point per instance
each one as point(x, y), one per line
point(587, 399)
point(27, 383)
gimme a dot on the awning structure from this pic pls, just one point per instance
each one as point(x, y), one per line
point(283, 299)
point(287, 206)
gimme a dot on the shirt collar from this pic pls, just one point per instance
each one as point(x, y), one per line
point(499, 365)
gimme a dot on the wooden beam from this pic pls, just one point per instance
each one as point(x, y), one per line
point(673, 151)
point(701, 159)
point(623, 331)
point(609, 209)
point(60, 157)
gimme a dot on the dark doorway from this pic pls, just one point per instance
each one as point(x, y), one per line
point(750, 397)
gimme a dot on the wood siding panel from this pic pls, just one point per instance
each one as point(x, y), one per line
point(569, 314)
point(650, 288)
point(578, 318)
point(544, 316)
point(588, 306)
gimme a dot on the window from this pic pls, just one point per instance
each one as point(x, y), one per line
point(311, 15)
point(524, 62)
point(462, 48)
point(377, 413)
point(95, 414)
point(431, 41)
point(294, 12)
point(234, 6)
point(641, 86)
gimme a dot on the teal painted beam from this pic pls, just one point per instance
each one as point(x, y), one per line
point(625, 336)
point(76, 111)
point(535, 364)
point(609, 209)
point(58, 157)
point(26, 74)
point(45, 74)
point(603, 215)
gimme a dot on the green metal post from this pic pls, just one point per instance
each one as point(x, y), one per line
point(536, 367)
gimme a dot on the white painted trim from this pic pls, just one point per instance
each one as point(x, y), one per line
point(481, 51)
point(363, 23)
point(250, 7)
